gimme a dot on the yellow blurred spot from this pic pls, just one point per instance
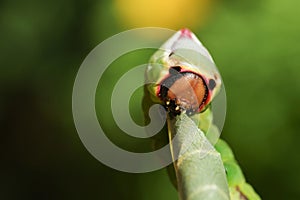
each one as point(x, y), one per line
point(174, 14)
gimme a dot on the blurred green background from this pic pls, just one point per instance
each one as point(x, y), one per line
point(254, 43)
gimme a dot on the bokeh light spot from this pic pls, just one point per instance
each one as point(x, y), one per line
point(173, 14)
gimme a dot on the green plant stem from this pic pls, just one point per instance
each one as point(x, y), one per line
point(199, 169)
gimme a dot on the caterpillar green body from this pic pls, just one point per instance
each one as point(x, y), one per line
point(184, 79)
